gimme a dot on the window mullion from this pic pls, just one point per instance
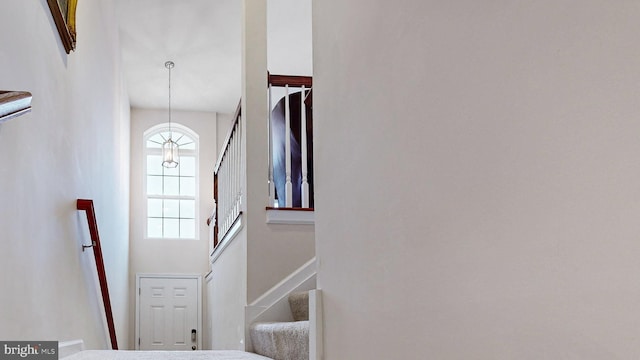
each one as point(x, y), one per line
point(171, 197)
point(168, 183)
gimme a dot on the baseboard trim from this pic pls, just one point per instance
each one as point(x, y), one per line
point(284, 287)
point(68, 348)
point(226, 240)
point(316, 329)
point(273, 305)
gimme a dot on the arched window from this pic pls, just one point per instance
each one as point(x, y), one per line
point(171, 194)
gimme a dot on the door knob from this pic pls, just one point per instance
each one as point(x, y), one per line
point(193, 335)
point(193, 347)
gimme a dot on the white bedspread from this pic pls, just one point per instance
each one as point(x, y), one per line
point(165, 355)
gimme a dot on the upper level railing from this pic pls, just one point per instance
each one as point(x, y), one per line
point(290, 175)
point(228, 176)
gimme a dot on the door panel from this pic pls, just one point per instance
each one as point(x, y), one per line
point(168, 313)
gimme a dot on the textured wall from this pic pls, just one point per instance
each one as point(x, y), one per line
point(74, 144)
point(228, 293)
point(290, 49)
point(273, 251)
point(170, 256)
point(478, 183)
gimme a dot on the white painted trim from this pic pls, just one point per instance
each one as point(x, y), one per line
point(199, 296)
point(291, 217)
point(68, 348)
point(286, 285)
point(273, 305)
point(316, 329)
point(195, 153)
point(226, 240)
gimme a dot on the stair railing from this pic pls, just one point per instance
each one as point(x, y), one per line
point(87, 206)
point(228, 177)
point(290, 175)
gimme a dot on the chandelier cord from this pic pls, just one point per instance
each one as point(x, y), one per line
point(170, 134)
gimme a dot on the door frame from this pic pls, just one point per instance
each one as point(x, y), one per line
point(199, 298)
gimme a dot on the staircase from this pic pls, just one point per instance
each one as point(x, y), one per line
point(285, 340)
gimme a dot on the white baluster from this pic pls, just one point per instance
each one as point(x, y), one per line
point(214, 214)
point(239, 165)
point(272, 190)
point(287, 149)
point(221, 212)
point(221, 197)
point(227, 172)
point(228, 168)
point(232, 156)
point(222, 205)
point(212, 227)
point(225, 195)
point(303, 134)
point(234, 172)
point(236, 165)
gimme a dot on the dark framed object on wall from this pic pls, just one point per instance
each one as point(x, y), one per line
point(64, 15)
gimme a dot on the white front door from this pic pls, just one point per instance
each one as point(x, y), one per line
point(168, 312)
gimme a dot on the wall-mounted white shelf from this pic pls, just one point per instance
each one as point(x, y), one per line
point(13, 104)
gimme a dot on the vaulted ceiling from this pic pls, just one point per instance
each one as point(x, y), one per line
point(203, 39)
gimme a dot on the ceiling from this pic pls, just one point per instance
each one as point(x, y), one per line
point(203, 39)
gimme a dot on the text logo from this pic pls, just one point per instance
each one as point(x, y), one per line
point(31, 350)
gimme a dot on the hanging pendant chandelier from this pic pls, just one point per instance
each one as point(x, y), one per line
point(169, 147)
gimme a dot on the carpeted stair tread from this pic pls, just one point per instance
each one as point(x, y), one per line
point(299, 304)
point(281, 340)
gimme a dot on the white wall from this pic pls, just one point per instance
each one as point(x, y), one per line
point(478, 181)
point(261, 254)
point(273, 251)
point(289, 50)
point(74, 144)
point(228, 291)
point(170, 256)
point(223, 126)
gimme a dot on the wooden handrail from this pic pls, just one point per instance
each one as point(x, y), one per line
point(291, 80)
point(273, 80)
point(298, 127)
point(289, 208)
point(87, 206)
